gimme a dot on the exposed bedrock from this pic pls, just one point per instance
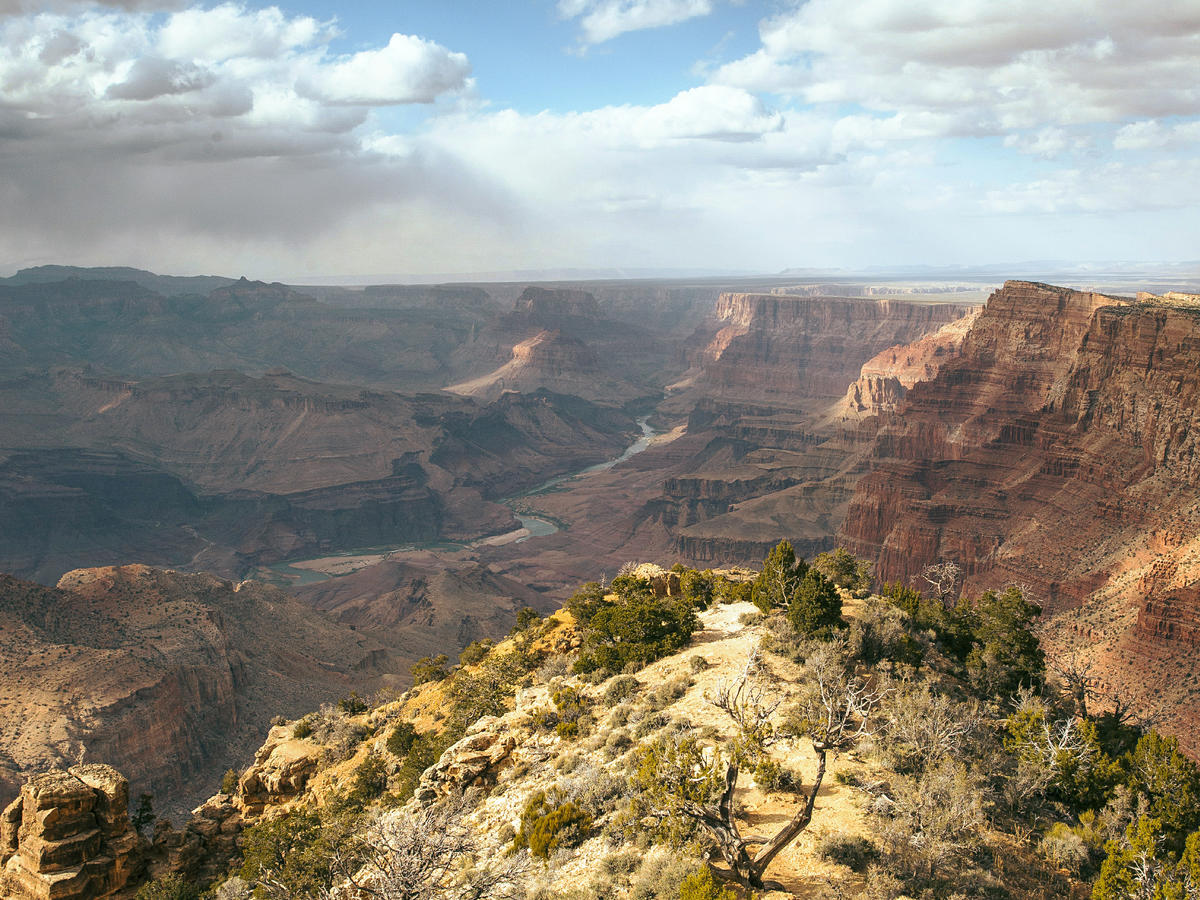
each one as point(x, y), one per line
point(67, 837)
point(1058, 450)
point(170, 676)
point(794, 350)
point(781, 452)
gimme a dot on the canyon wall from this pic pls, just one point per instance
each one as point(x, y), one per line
point(1058, 451)
point(792, 351)
point(775, 458)
point(226, 472)
point(171, 677)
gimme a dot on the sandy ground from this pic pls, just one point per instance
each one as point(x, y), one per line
point(798, 871)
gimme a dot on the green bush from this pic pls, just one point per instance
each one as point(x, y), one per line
point(1170, 782)
point(547, 825)
point(353, 705)
point(843, 569)
point(423, 752)
point(852, 851)
point(370, 781)
point(401, 739)
point(634, 629)
point(771, 776)
point(475, 652)
point(584, 603)
point(169, 887)
point(780, 574)
point(571, 707)
point(302, 729)
point(698, 588)
point(430, 668)
point(621, 689)
point(298, 850)
point(701, 885)
point(815, 607)
point(229, 782)
point(1006, 655)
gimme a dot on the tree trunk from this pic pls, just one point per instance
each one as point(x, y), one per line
point(788, 833)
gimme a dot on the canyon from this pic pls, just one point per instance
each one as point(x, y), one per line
point(369, 450)
point(171, 677)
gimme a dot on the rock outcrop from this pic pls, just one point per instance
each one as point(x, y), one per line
point(474, 760)
point(67, 836)
point(170, 677)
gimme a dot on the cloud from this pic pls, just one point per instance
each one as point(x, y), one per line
point(258, 80)
point(1151, 134)
point(207, 126)
point(151, 77)
point(603, 20)
point(408, 70)
point(989, 68)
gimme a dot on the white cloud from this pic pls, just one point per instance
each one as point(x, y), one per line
point(603, 20)
point(1113, 188)
point(408, 70)
point(255, 79)
point(1150, 134)
point(1047, 143)
point(993, 67)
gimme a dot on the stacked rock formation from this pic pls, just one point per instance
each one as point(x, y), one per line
point(68, 836)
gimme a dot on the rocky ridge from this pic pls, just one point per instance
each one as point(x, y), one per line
point(170, 677)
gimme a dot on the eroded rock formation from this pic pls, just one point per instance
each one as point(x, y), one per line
point(1059, 450)
point(170, 677)
point(67, 836)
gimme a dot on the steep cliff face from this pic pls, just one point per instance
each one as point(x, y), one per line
point(172, 677)
point(976, 425)
point(886, 378)
point(1059, 450)
point(794, 350)
point(778, 460)
point(67, 837)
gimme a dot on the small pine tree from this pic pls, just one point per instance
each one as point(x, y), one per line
point(143, 817)
point(229, 782)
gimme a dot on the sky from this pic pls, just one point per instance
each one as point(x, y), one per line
point(317, 139)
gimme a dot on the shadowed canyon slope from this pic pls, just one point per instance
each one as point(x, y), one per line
point(172, 677)
point(225, 471)
point(1059, 450)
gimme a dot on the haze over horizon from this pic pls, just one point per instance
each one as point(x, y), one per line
point(312, 139)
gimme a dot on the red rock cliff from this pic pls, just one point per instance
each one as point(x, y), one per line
point(1059, 450)
point(778, 348)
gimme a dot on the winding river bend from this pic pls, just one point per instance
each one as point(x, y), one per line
point(300, 572)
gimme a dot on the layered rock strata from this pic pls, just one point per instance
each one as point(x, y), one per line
point(1059, 450)
point(67, 836)
point(171, 677)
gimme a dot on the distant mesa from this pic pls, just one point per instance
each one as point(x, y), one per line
point(549, 304)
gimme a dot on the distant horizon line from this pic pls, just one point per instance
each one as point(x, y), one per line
point(1018, 270)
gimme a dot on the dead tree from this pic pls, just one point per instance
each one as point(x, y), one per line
point(418, 853)
point(1076, 674)
point(833, 713)
point(944, 580)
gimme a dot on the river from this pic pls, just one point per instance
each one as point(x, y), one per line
point(295, 572)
